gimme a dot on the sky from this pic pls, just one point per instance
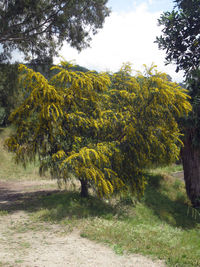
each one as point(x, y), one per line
point(128, 35)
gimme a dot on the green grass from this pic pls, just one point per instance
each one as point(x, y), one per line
point(69, 206)
point(3, 212)
point(161, 225)
point(157, 226)
point(9, 170)
point(167, 169)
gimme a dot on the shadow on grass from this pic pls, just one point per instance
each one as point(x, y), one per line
point(69, 204)
point(174, 212)
point(56, 205)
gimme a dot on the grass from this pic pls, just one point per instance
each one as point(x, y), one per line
point(167, 169)
point(159, 225)
point(3, 212)
point(162, 225)
point(9, 171)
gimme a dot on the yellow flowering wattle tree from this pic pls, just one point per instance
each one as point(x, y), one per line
point(149, 106)
point(103, 129)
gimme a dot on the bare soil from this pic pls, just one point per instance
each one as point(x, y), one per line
point(47, 245)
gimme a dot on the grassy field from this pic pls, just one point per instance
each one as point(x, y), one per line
point(161, 225)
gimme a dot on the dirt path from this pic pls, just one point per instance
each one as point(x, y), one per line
point(47, 245)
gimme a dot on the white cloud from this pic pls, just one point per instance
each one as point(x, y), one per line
point(126, 36)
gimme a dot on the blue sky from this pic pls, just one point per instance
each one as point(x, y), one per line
point(153, 5)
point(128, 35)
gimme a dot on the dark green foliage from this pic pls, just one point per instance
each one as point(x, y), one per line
point(181, 40)
point(181, 35)
point(40, 27)
point(8, 90)
point(10, 93)
point(193, 120)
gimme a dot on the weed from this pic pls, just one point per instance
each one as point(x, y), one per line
point(19, 261)
point(25, 245)
point(118, 249)
point(3, 212)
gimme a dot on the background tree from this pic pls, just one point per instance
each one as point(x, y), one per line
point(10, 95)
point(40, 27)
point(105, 135)
point(181, 40)
point(181, 35)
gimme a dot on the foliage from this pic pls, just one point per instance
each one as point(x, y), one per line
point(193, 120)
point(40, 27)
point(181, 40)
point(104, 132)
point(149, 105)
point(2, 115)
point(11, 95)
point(9, 90)
point(181, 35)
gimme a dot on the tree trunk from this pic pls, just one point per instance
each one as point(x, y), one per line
point(84, 188)
point(191, 165)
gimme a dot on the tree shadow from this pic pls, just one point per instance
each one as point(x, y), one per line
point(12, 200)
point(56, 205)
point(174, 212)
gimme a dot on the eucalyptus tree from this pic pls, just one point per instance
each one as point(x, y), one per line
point(40, 27)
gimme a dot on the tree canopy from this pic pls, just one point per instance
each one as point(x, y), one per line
point(41, 27)
point(181, 35)
point(104, 129)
